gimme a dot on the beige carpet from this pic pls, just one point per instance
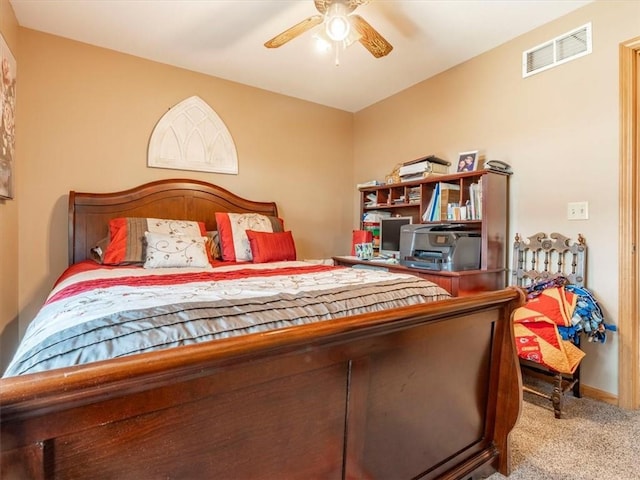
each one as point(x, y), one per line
point(592, 441)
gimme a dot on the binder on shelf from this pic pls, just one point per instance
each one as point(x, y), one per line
point(429, 212)
point(445, 197)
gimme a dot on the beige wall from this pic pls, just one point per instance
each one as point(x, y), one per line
point(86, 115)
point(9, 222)
point(558, 129)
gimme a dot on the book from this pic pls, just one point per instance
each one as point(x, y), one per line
point(414, 195)
point(370, 183)
point(449, 198)
point(429, 158)
point(421, 169)
point(411, 178)
point(474, 207)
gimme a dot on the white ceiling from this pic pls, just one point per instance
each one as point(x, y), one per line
point(225, 39)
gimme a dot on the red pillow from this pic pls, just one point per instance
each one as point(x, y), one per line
point(271, 247)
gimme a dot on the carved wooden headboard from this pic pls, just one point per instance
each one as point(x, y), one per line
point(181, 199)
point(542, 257)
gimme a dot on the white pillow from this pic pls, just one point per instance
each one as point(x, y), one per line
point(166, 250)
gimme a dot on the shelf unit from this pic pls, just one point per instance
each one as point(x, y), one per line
point(493, 223)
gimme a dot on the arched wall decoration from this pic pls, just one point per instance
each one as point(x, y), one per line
point(191, 136)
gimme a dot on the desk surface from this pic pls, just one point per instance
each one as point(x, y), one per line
point(393, 263)
point(462, 283)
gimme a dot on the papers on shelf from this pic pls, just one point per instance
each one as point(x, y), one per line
point(370, 183)
point(375, 216)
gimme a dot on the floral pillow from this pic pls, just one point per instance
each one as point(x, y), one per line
point(166, 250)
point(232, 228)
point(127, 240)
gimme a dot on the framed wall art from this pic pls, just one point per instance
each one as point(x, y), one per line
point(468, 161)
point(191, 136)
point(7, 118)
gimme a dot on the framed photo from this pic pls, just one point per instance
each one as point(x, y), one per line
point(7, 118)
point(468, 161)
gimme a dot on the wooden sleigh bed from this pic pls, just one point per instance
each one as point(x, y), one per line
point(423, 391)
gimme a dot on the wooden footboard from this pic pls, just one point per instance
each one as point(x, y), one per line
point(428, 391)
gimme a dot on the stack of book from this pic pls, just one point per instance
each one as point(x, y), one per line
point(414, 195)
point(423, 167)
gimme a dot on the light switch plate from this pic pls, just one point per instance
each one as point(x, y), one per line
point(578, 210)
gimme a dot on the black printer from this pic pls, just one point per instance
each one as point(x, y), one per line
point(442, 247)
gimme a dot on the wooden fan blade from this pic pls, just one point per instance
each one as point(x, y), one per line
point(370, 38)
point(294, 31)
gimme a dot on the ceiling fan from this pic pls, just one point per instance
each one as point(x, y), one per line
point(341, 25)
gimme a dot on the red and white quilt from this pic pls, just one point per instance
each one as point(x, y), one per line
point(96, 313)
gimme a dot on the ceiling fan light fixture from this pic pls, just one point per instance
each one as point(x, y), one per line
point(323, 43)
point(337, 24)
point(338, 27)
point(353, 37)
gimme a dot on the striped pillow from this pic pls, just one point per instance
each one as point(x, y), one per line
point(127, 242)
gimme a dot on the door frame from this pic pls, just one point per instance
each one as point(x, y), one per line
point(629, 237)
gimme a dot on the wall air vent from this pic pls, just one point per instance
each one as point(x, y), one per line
point(562, 49)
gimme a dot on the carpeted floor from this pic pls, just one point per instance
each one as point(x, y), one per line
point(592, 441)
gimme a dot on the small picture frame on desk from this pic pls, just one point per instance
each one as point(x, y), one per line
point(468, 161)
point(364, 251)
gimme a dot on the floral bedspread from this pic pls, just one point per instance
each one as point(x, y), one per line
point(96, 313)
